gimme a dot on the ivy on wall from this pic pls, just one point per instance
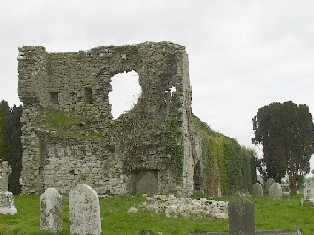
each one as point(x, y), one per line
point(227, 166)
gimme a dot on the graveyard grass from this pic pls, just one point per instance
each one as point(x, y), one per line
point(271, 214)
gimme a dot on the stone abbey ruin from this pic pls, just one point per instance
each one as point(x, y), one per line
point(70, 137)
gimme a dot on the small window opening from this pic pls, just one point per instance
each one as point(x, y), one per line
point(88, 95)
point(54, 97)
point(172, 90)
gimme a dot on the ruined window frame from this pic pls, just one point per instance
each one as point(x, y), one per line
point(88, 95)
point(54, 97)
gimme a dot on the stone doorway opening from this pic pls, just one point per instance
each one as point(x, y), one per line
point(144, 181)
point(197, 178)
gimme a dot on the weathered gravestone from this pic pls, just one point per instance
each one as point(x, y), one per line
point(84, 211)
point(5, 171)
point(257, 190)
point(241, 213)
point(51, 211)
point(267, 185)
point(7, 206)
point(309, 191)
point(275, 191)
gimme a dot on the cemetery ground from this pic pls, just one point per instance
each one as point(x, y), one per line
point(271, 214)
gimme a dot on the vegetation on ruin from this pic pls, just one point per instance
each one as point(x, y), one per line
point(67, 126)
point(60, 120)
point(284, 214)
point(285, 132)
point(172, 143)
point(228, 166)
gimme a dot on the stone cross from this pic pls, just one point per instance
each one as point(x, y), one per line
point(275, 191)
point(51, 211)
point(241, 213)
point(84, 211)
point(7, 206)
point(5, 171)
point(257, 190)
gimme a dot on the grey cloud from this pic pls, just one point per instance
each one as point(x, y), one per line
point(243, 54)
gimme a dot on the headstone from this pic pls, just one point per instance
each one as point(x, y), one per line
point(267, 185)
point(7, 206)
point(84, 211)
point(5, 171)
point(51, 211)
point(309, 191)
point(275, 191)
point(260, 179)
point(257, 190)
point(241, 213)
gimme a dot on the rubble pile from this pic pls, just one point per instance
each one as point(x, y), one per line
point(172, 206)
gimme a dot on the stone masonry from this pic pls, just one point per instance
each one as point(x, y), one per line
point(69, 136)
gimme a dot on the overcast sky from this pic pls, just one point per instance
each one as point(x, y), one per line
point(243, 54)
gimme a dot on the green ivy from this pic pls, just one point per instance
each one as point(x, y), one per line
point(226, 164)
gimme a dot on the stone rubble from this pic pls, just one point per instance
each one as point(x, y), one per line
point(172, 206)
point(132, 210)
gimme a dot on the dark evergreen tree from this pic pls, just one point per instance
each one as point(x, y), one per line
point(15, 148)
point(4, 117)
point(285, 132)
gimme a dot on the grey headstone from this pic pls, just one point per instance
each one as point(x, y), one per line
point(257, 190)
point(7, 206)
point(275, 191)
point(309, 191)
point(268, 183)
point(51, 211)
point(241, 213)
point(84, 211)
point(5, 171)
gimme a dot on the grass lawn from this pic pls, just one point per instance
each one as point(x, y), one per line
point(283, 214)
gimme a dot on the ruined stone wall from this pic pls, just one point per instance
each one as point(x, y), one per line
point(69, 135)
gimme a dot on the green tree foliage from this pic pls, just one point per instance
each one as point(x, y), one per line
point(285, 132)
point(10, 142)
point(4, 116)
point(227, 166)
point(15, 148)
